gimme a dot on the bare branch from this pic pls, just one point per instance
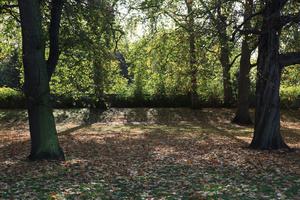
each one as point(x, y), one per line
point(234, 59)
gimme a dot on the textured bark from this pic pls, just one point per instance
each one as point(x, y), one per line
point(44, 140)
point(242, 115)
point(267, 117)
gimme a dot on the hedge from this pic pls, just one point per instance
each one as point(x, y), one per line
point(10, 98)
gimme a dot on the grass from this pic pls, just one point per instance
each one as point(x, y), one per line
point(149, 154)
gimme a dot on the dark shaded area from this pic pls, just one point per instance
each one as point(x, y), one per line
point(10, 71)
point(158, 101)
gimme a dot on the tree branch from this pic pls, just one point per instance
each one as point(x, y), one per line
point(288, 59)
point(247, 31)
point(234, 59)
point(56, 11)
point(286, 19)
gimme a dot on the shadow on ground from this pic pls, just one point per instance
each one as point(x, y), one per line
point(166, 157)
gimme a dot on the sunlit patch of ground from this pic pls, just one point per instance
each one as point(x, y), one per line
point(150, 153)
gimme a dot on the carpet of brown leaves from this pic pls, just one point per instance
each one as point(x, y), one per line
point(151, 153)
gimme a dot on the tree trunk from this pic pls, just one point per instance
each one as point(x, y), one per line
point(267, 117)
point(99, 82)
point(192, 54)
point(224, 57)
point(44, 140)
point(225, 62)
point(242, 116)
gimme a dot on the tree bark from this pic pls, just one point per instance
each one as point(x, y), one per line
point(192, 54)
point(224, 57)
point(98, 82)
point(225, 62)
point(44, 140)
point(242, 116)
point(267, 117)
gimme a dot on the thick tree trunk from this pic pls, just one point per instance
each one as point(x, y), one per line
point(242, 116)
point(44, 141)
point(267, 117)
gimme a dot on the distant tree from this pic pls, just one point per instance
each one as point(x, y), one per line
point(192, 51)
point(38, 72)
point(221, 16)
point(183, 19)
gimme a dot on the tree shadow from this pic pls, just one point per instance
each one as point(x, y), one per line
point(154, 160)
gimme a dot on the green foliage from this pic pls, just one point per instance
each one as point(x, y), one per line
point(158, 59)
point(10, 71)
point(10, 98)
point(290, 96)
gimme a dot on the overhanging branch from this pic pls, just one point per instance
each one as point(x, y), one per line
point(288, 59)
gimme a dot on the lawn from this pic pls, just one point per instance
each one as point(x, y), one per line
point(149, 154)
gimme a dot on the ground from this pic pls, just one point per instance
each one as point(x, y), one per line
point(149, 154)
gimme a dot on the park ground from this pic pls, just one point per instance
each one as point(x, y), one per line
point(149, 154)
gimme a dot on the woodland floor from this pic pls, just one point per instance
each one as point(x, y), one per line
point(149, 154)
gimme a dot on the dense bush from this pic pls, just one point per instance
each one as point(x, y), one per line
point(290, 96)
point(10, 98)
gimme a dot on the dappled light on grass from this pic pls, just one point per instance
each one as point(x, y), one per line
point(129, 157)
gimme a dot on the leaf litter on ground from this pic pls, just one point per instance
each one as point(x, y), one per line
point(150, 154)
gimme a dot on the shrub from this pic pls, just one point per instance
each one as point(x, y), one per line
point(290, 96)
point(10, 98)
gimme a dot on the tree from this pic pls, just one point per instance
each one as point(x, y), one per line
point(242, 115)
point(221, 19)
point(192, 51)
point(270, 65)
point(38, 72)
point(184, 19)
